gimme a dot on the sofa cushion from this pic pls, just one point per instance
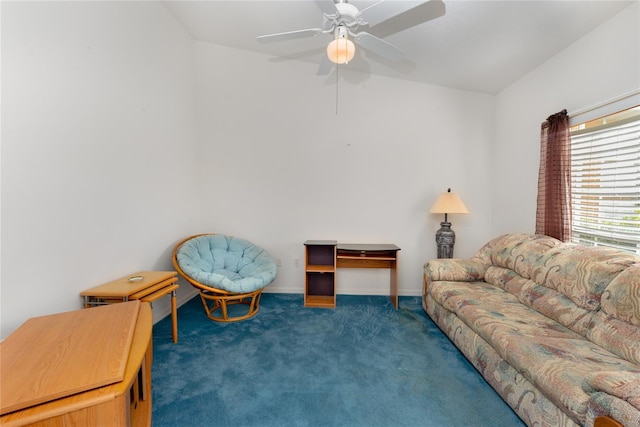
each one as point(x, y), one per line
point(521, 253)
point(558, 366)
point(620, 298)
point(618, 337)
point(526, 400)
point(581, 272)
point(489, 310)
point(506, 279)
point(455, 295)
point(621, 384)
point(602, 403)
point(547, 301)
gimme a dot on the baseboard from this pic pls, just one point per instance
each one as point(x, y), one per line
point(162, 308)
point(349, 291)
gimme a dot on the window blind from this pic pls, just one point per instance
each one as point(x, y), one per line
point(605, 185)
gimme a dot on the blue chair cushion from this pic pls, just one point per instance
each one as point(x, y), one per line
point(227, 263)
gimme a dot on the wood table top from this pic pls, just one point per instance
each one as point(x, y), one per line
point(55, 356)
point(374, 247)
point(131, 284)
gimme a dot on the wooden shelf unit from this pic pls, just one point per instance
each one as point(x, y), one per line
point(320, 273)
point(323, 257)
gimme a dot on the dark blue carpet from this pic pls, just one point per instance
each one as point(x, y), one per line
point(360, 364)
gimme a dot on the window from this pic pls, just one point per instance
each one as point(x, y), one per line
point(605, 181)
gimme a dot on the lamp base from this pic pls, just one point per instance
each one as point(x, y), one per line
point(445, 239)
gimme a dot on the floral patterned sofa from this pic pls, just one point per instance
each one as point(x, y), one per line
point(553, 327)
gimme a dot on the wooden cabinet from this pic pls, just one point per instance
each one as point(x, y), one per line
point(320, 273)
point(80, 368)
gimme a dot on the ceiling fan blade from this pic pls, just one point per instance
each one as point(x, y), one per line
point(383, 10)
point(327, 6)
point(289, 35)
point(422, 13)
point(379, 46)
point(325, 66)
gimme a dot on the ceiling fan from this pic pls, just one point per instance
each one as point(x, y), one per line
point(346, 24)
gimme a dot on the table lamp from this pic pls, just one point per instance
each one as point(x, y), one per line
point(447, 203)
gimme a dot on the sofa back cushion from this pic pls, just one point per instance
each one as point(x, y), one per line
point(618, 337)
point(581, 272)
point(547, 301)
point(616, 326)
point(521, 253)
point(566, 282)
point(621, 299)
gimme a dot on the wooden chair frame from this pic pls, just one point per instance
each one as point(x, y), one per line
point(214, 299)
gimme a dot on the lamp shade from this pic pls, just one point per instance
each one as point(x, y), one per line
point(448, 203)
point(341, 50)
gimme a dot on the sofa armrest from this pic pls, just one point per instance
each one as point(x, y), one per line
point(454, 270)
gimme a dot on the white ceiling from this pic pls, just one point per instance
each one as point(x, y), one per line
point(478, 45)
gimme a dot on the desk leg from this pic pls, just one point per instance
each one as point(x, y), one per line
point(174, 316)
point(393, 283)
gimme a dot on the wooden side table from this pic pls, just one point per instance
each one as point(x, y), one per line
point(146, 286)
point(79, 368)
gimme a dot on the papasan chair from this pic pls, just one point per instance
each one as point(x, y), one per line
point(227, 271)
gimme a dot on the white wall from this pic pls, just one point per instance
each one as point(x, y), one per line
point(98, 149)
point(281, 167)
point(603, 64)
point(112, 150)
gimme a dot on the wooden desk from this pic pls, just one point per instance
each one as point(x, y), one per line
point(146, 286)
point(324, 256)
point(372, 256)
point(85, 367)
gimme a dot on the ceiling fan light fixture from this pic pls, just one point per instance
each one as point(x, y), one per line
point(341, 50)
point(346, 21)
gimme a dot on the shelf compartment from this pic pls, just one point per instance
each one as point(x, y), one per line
point(321, 301)
point(320, 284)
point(321, 269)
point(321, 255)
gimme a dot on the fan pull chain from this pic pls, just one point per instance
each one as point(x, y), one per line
point(337, 68)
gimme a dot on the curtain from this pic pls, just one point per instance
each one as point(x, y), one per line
point(553, 213)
